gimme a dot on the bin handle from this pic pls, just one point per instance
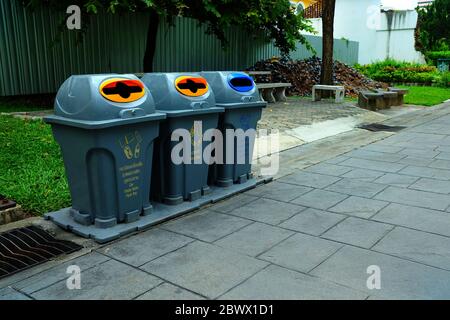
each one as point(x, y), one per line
point(199, 105)
point(132, 113)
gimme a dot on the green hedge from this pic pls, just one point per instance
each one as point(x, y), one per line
point(396, 71)
point(434, 55)
point(444, 80)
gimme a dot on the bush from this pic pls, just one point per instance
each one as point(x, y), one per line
point(444, 80)
point(434, 55)
point(432, 31)
point(397, 71)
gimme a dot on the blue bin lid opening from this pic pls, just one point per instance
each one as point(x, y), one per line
point(240, 82)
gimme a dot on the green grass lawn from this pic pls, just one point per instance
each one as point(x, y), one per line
point(426, 96)
point(31, 167)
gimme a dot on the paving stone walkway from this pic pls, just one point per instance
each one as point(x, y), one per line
point(299, 111)
point(311, 234)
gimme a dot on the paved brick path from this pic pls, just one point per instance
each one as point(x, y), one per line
point(302, 111)
point(311, 234)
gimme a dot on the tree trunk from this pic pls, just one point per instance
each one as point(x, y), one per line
point(326, 76)
point(150, 46)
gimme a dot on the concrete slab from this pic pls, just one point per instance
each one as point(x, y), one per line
point(254, 239)
point(144, 247)
point(440, 164)
point(278, 191)
point(359, 207)
point(12, 294)
point(319, 199)
point(382, 148)
point(375, 155)
point(414, 161)
point(415, 198)
point(373, 165)
point(167, 291)
point(426, 172)
point(206, 225)
point(328, 169)
point(308, 179)
point(356, 188)
point(276, 283)
point(58, 273)
point(301, 252)
point(432, 185)
point(399, 278)
point(232, 203)
point(320, 130)
point(358, 232)
point(203, 268)
point(267, 211)
point(312, 221)
point(336, 160)
point(417, 218)
point(443, 155)
point(429, 249)
point(419, 153)
point(110, 280)
point(363, 175)
point(396, 180)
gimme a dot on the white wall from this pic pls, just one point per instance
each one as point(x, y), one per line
point(363, 21)
point(395, 39)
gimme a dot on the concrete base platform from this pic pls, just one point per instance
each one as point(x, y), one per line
point(161, 212)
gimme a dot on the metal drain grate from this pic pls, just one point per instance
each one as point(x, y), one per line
point(380, 127)
point(26, 247)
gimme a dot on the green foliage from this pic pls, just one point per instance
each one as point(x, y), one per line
point(434, 55)
point(426, 96)
point(393, 71)
point(31, 167)
point(433, 32)
point(274, 19)
point(444, 80)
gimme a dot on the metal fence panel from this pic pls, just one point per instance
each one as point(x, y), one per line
point(30, 64)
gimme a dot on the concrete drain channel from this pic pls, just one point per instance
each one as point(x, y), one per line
point(26, 247)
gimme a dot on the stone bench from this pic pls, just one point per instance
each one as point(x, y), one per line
point(339, 92)
point(371, 100)
point(259, 73)
point(273, 92)
point(390, 98)
point(400, 95)
point(380, 99)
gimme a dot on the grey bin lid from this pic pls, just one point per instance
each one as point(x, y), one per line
point(181, 94)
point(99, 101)
point(233, 89)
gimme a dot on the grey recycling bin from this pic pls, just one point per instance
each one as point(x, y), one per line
point(105, 126)
point(236, 92)
point(189, 105)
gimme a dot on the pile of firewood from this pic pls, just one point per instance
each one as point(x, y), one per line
point(303, 74)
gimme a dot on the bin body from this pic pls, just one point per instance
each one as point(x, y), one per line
point(173, 182)
point(105, 126)
point(236, 92)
